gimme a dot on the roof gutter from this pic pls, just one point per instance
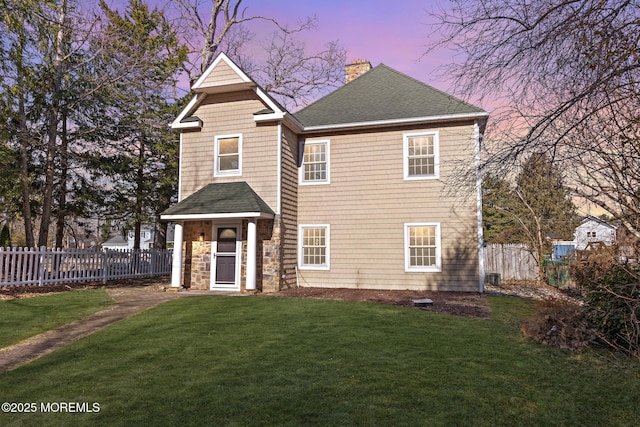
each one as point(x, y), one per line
point(392, 122)
point(198, 217)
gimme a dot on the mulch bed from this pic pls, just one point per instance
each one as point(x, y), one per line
point(457, 303)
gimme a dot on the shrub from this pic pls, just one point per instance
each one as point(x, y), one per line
point(559, 324)
point(612, 300)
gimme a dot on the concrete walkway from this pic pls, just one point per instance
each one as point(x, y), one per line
point(128, 302)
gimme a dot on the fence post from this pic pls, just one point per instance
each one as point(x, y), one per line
point(2, 278)
point(104, 265)
point(41, 266)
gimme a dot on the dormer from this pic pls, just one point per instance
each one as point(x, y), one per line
point(224, 76)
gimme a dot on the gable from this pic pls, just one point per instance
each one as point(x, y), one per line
point(384, 96)
point(224, 76)
point(591, 223)
point(221, 75)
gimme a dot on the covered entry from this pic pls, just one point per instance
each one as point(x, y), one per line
point(212, 226)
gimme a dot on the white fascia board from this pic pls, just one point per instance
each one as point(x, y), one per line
point(268, 117)
point(197, 217)
point(267, 100)
point(430, 119)
point(288, 119)
point(187, 125)
point(177, 123)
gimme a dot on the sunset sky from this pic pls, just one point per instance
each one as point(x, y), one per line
point(393, 33)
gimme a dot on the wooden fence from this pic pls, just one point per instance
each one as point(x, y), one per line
point(42, 266)
point(511, 261)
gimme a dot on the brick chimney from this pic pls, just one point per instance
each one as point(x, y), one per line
point(356, 69)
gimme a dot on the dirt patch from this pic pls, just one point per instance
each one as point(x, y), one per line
point(456, 303)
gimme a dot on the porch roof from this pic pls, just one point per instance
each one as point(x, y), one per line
point(220, 200)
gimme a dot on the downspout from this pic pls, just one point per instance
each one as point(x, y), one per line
point(282, 272)
point(279, 175)
point(478, 144)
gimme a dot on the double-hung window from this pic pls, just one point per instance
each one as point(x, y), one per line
point(421, 159)
point(313, 247)
point(422, 247)
point(228, 155)
point(315, 163)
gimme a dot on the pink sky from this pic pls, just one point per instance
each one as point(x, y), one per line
point(393, 33)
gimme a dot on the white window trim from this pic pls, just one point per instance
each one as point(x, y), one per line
point(326, 181)
point(234, 172)
point(327, 264)
point(407, 253)
point(436, 157)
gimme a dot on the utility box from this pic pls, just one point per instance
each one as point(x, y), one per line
point(492, 279)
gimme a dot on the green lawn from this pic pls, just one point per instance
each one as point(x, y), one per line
point(287, 362)
point(25, 317)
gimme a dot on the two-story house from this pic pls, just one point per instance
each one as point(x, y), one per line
point(361, 189)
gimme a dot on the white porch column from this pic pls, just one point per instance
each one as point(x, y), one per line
point(176, 266)
point(252, 241)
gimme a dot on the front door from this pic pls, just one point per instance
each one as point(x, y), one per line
point(225, 259)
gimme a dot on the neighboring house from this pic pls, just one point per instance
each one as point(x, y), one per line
point(593, 229)
point(351, 191)
point(117, 243)
point(147, 237)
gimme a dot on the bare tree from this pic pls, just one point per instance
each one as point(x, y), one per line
point(296, 76)
point(566, 77)
point(290, 73)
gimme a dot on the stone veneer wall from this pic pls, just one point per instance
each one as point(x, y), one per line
point(268, 253)
point(197, 255)
point(271, 259)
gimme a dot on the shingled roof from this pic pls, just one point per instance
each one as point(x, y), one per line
point(220, 200)
point(384, 95)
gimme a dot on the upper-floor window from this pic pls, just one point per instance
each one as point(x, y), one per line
point(228, 155)
point(421, 159)
point(315, 163)
point(591, 234)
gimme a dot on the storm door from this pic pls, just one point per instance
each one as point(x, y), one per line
point(225, 258)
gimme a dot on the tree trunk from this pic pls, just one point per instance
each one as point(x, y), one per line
point(24, 176)
point(23, 138)
point(62, 196)
point(52, 132)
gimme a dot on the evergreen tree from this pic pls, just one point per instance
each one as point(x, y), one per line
point(139, 149)
point(497, 210)
point(536, 210)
